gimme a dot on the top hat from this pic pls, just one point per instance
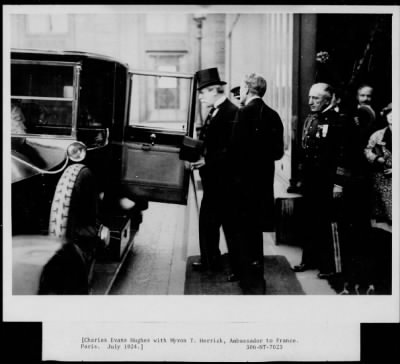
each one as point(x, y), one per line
point(208, 77)
point(366, 113)
point(386, 109)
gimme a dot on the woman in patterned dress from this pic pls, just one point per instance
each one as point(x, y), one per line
point(379, 153)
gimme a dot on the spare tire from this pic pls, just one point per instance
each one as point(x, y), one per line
point(74, 208)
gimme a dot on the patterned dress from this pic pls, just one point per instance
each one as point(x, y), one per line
point(379, 145)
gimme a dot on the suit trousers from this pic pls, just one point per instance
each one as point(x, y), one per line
point(246, 250)
point(214, 214)
point(316, 225)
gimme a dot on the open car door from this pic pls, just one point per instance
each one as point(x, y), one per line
point(162, 109)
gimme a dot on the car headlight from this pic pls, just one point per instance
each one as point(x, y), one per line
point(76, 151)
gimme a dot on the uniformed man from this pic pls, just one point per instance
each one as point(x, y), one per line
point(322, 174)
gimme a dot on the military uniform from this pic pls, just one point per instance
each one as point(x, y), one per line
point(323, 166)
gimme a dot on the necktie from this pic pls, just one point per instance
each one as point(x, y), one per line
point(207, 122)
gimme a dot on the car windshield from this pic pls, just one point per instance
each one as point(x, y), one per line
point(42, 98)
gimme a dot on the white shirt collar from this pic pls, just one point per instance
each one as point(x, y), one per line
point(252, 98)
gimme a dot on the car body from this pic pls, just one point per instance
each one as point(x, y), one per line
point(91, 143)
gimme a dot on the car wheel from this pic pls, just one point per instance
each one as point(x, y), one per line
point(74, 207)
point(72, 219)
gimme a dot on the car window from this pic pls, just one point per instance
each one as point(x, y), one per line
point(42, 97)
point(96, 95)
point(160, 102)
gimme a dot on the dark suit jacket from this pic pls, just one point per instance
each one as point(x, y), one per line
point(214, 174)
point(257, 142)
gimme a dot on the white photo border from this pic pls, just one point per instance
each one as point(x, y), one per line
point(252, 309)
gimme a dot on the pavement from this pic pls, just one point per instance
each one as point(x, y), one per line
point(156, 264)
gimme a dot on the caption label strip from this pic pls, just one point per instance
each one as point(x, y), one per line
point(199, 342)
point(134, 343)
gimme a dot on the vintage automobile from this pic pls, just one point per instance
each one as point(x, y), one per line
point(92, 143)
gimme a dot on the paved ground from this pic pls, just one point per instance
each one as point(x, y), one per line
point(157, 262)
point(167, 236)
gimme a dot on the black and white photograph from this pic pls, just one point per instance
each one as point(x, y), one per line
point(198, 162)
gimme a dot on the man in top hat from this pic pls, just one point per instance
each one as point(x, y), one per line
point(216, 133)
point(257, 142)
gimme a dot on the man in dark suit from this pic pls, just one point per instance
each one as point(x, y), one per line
point(257, 142)
point(216, 133)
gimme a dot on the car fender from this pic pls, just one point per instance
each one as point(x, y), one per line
point(32, 156)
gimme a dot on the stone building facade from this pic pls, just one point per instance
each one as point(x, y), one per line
point(280, 46)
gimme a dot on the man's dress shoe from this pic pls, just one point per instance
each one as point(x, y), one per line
point(301, 268)
point(199, 266)
point(325, 275)
point(214, 266)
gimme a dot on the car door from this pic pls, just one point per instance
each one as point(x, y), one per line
point(162, 109)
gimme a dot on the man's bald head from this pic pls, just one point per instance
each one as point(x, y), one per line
point(324, 88)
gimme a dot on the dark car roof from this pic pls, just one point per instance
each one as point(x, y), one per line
point(78, 56)
point(55, 55)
